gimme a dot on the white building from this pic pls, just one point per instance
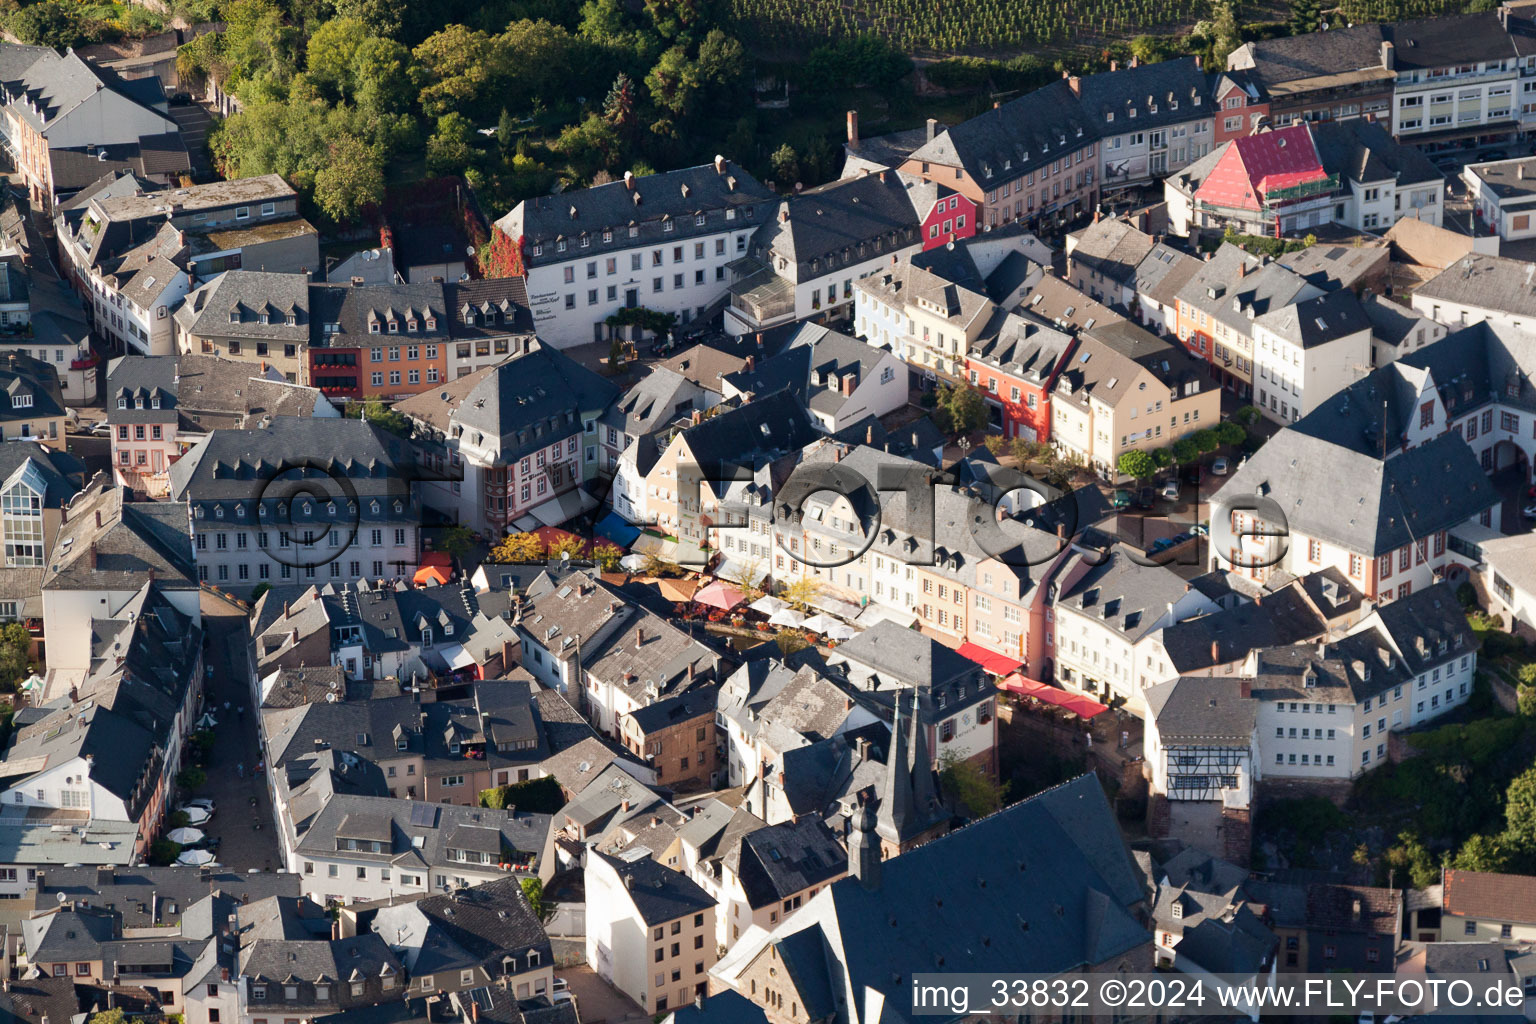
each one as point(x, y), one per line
point(1455, 78)
point(805, 261)
point(661, 242)
point(1304, 353)
point(650, 930)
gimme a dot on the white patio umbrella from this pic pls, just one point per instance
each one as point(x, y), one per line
point(195, 858)
point(185, 836)
point(766, 605)
point(196, 815)
point(207, 721)
point(819, 623)
point(786, 617)
point(632, 563)
point(842, 631)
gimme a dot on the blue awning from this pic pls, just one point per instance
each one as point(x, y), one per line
point(617, 530)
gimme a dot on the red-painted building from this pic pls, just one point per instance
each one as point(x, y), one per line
point(1014, 365)
point(950, 215)
point(1240, 106)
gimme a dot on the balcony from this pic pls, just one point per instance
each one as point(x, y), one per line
point(84, 362)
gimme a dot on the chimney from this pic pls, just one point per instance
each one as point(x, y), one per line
point(882, 178)
point(869, 434)
point(784, 215)
point(93, 556)
point(853, 129)
point(1135, 62)
point(1388, 55)
point(850, 381)
point(1114, 65)
point(624, 806)
point(997, 104)
point(1198, 60)
point(285, 609)
point(720, 165)
point(698, 1001)
point(692, 669)
point(98, 519)
point(759, 340)
point(474, 1011)
point(1097, 213)
point(1242, 269)
point(933, 128)
point(751, 363)
point(1519, 168)
point(639, 638)
point(629, 180)
point(1354, 909)
point(335, 931)
point(1215, 653)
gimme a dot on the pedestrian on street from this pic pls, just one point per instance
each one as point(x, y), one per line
point(240, 769)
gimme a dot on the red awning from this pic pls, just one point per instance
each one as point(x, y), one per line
point(997, 664)
point(1084, 707)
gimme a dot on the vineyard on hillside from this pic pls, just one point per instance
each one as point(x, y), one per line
point(932, 28)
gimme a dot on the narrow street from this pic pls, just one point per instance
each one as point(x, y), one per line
point(245, 830)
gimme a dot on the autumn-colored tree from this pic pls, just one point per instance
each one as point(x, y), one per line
point(518, 547)
point(802, 591)
point(570, 545)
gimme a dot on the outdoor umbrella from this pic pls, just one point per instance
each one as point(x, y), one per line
point(184, 836)
point(196, 815)
point(842, 631)
point(786, 617)
point(767, 605)
point(719, 595)
point(195, 858)
point(632, 563)
point(819, 623)
point(207, 721)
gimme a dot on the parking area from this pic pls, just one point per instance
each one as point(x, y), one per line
point(598, 1002)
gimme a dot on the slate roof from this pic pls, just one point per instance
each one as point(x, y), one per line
point(1022, 348)
point(526, 402)
point(1123, 594)
point(1162, 93)
point(250, 304)
point(695, 703)
point(748, 435)
point(467, 928)
point(43, 88)
point(1163, 272)
point(840, 224)
point(499, 306)
point(656, 400)
point(1314, 55)
point(775, 862)
point(1452, 39)
point(444, 827)
point(1339, 266)
point(658, 893)
point(77, 167)
point(1319, 320)
point(577, 766)
point(1055, 861)
point(648, 204)
point(1373, 505)
point(1017, 137)
point(146, 896)
point(1281, 618)
point(1203, 710)
point(1363, 151)
point(1113, 248)
point(248, 467)
point(1485, 282)
point(136, 541)
point(344, 314)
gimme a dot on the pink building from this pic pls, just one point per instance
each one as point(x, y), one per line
point(951, 216)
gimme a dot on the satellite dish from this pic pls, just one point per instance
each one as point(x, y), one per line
point(62, 898)
point(469, 250)
point(464, 277)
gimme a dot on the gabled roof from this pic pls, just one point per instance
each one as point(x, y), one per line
point(658, 893)
point(133, 542)
point(841, 224)
point(1112, 247)
point(1489, 896)
point(1319, 320)
point(1253, 166)
point(1203, 711)
point(1161, 93)
point(1017, 137)
point(1480, 281)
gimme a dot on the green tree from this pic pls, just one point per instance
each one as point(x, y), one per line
point(1305, 16)
point(351, 181)
point(1185, 450)
point(790, 641)
point(381, 80)
point(1136, 464)
point(786, 165)
point(674, 81)
point(969, 787)
point(457, 541)
point(455, 67)
point(452, 146)
point(1482, 852)
point(607, 557)
point(55, 23)
point(959, 409)
point(1229, 433)
point(385, 418)
point(676, 18)
point(191, 778)
point(1410, 859)
point(619, 106)
point(590, 146)
point(112, 1016)
point(1520, 813)
point(1205, 441)
point(534, 890)
point(1225, 33)
point(333, 53)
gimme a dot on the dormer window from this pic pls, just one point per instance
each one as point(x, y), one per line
point(607, 234)
point(138, 403)
point(234, 317)
point(308, 508)
point(447, 629)
point(154, 403)
point(261, 511)
point(453, 747)
point(426, 638)
point(538, 250)
point(330, 508)
point(218, 513)
point(122, 403)
point(239, 511)
point(291, 320)
point(431, 323)
point(667, 226)
point(399, 508)
point(394, 327)
point(469, 317)
point(1178, 910)
point(560, 245)
point(373, 327)
point(374, 508)
point(410, 325)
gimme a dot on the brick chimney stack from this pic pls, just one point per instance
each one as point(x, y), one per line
point(853, 129)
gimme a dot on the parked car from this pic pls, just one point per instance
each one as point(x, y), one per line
point(1120, 499)
point(205, 802)
point(560, 985)
point(1146, 497)
point(1171, 489)
point(102, 429)
point(1194, 473)
point(1220, 465)
point(1529, 511)
point(1489, 157)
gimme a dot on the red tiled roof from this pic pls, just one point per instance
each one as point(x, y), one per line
point(1489, 895)
point(1257, 164)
